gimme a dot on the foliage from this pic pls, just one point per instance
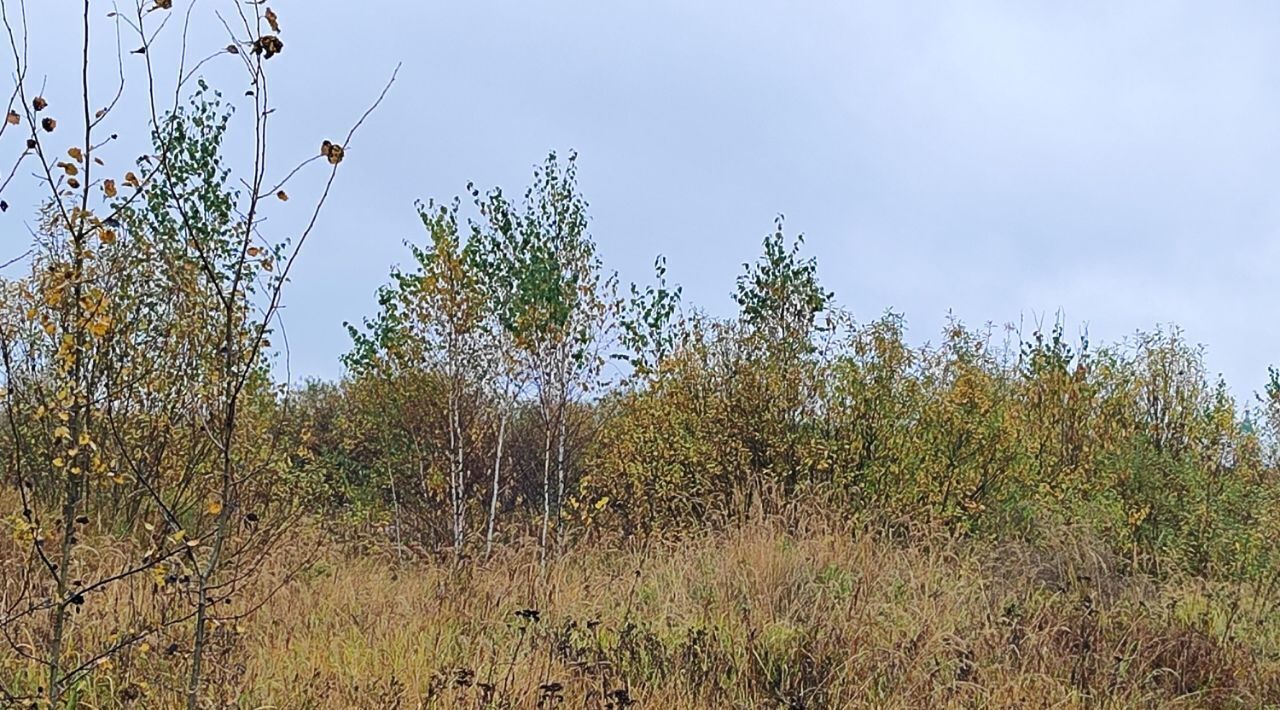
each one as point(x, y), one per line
point(479, 411)
point(719, 419)
point(138, 398)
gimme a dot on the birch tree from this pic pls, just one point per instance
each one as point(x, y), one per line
point(559, 312)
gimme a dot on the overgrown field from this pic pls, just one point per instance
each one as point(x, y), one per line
point(532, 486)
point(765, 615)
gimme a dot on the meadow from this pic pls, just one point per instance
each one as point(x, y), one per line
point(788, 612)
point(534, 486)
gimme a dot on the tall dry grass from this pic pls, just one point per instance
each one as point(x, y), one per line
point(757, 616)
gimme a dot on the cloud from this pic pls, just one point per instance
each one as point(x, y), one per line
point(998, 159)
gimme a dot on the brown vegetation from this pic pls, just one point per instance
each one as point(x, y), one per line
point(530, 491)
point(776, 613)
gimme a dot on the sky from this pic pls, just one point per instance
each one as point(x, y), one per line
point(1118, 163)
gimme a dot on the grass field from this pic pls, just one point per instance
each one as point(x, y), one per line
point(802, 615)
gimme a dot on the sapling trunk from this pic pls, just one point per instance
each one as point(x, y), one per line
point(560, 475)
point(493, 498)
point(546, 491)
point(456, 470)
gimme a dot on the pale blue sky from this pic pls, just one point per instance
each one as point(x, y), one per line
point(1002, 160)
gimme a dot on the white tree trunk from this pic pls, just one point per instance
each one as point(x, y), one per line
point(493, 498)
point(546, 491)
point(457, 473)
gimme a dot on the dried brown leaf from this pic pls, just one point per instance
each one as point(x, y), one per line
point(334, 152)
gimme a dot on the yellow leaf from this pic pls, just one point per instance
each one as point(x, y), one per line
point(59, 462)
point(213, 508)
point(109, 188)
point(76, 154)
point(600, 504)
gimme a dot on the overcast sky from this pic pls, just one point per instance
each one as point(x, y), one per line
point(1118, 162)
